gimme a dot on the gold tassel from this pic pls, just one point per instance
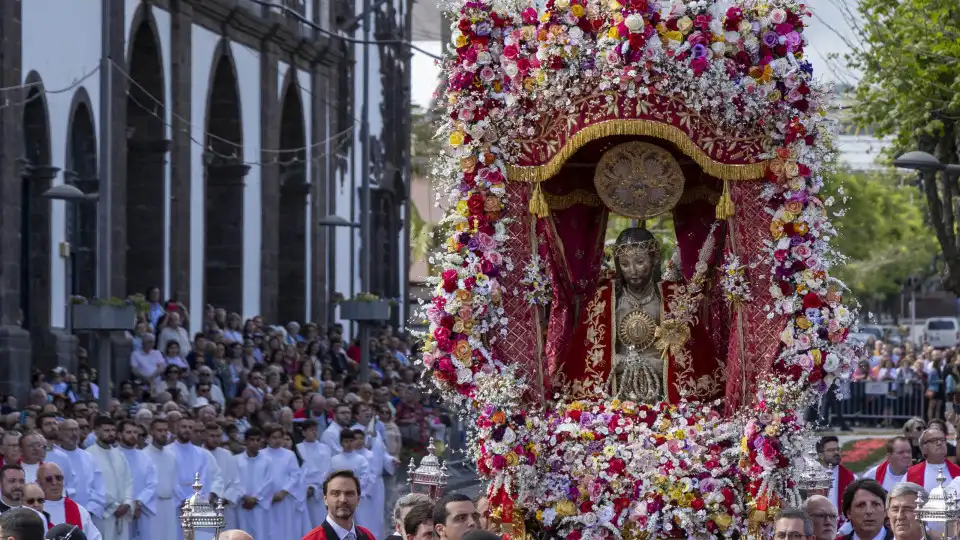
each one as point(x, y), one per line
point(538, 203)
point(725, 204)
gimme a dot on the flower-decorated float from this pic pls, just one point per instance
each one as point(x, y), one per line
point(614, 395)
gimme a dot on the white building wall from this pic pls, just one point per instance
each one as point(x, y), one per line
point(54, 48)
point(306, 99)
point(248, 81)
point(204, 44)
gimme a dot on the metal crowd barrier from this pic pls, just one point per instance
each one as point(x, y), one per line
point(877, 402)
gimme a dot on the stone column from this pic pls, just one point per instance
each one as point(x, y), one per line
point(180, 151)
point(291, 266)
point(270, 118)
point(144, 249)
point(14, 340)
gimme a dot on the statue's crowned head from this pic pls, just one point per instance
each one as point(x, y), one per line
point(636, 256)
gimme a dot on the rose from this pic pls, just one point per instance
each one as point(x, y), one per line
point(831, 363)
point(613, 58)
point(684, 24)
point(486, 74)
point(778, 16)
point(634, 22)
point(802, 252)
point(697, 504)
point(511, 51)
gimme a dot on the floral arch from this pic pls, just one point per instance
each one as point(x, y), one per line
point(534, 99)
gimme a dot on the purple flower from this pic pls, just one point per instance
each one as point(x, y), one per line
point(698, 51)
point(498, 433)
point(770, 39)
point(758, 441)
point(464, 238)
point(588, 63)
point(796, 240)
point(482, 28)
point(793, 41)
point(586, 419)
point(813, 314)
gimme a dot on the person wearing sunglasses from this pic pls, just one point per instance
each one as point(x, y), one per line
point(33, 499)
point(60, 508)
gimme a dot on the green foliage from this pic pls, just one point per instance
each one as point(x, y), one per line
point(881, 233)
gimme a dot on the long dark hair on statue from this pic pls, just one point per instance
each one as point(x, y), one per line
point(638, 235)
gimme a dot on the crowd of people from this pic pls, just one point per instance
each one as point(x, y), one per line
point(262, 413)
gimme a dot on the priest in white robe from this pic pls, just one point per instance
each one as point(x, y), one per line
point(32, 452)
point(116, 522)
point(229, 483)
point(316, 465)
point(163, 523)
point(256, 499)
point(343, 419)
point(84, 482)
point(380, 462)
point(144, 478)
point(62, 509)
point(353, 459)
point(191, 461)
point(289, 490)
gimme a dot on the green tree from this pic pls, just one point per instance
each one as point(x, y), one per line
point(908, 52)
point(882, 234)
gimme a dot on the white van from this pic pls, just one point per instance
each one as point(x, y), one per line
point(942, 332)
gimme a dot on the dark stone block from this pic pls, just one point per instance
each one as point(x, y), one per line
point(53, 347)
point(15, 364)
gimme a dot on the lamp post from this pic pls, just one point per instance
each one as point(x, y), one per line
point(69, 194)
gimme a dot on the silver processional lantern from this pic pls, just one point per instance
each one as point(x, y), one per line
point(198, 514)
point(815, 479)
point(430, 477)
point(940, 513)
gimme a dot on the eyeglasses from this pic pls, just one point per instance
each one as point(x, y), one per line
point(825, 516)
point(938, 441)
point(39, 500)
point(791, 535)
point(54, 478)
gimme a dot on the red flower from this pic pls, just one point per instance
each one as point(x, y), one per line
point(697, 504)
point(812, 300)
point(586, 506)
point(511, 51)
point(475, 204)
point(728, 497)
point(616, 466)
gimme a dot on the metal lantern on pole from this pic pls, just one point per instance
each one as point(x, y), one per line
point(815, 479)
point(198, 514)
point(940, 513)
point(430, 477)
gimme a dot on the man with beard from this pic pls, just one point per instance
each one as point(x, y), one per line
point(342, 420)
point(190, 461)
point(11, 487)
point(115, 522)
point(60, 508)
point(902, 503)
point(828, 450)
point(144, 477)
point(229, 480)
point(83, 478)
point(163, 523)
point(341, 494)
point(253, 469)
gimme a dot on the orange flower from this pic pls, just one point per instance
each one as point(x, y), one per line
point(468, 163)
point(489, 158)
point(498, 418)
point(464, 296)
point(776, 229)
point(783, 153)
point(776, 167)
point(800, 227)
point(491, 204)
point(834, 296)
point(794, 207)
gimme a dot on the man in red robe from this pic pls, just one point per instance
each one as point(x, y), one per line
point(933, 444)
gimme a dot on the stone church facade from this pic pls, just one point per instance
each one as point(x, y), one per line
point(234, 131)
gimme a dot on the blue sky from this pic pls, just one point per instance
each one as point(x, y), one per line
point(823, 42)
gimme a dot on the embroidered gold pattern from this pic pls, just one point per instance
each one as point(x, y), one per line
point(569, 200)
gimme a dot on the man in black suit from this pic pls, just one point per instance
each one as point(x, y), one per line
point(864, 505)
point(792, 522)
point(11, 487)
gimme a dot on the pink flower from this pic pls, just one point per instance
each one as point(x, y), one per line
point(494, 257)
point(802, 251)
point(613, 58)
point(511, 51)
point(487, 243)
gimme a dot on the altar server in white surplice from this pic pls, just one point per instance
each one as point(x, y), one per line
point(316, 466)
point(288, 487)
point(191, 461)
point(85, 481)
point(144, 479)
point(229, 484)
point(343, 419)
point(353, 459)
point(116, 522)
point(163, 523)
point(60, 508)
point(253, 469)
point(380, 462)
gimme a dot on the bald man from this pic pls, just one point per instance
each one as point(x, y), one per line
point(84, 481)
point(60, 508)
point(235, 534)
point(824, 516)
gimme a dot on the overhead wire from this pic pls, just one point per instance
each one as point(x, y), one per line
point(43, 91)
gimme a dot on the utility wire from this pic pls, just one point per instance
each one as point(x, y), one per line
point(42, 91)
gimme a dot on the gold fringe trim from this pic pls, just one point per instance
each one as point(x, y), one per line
point(725, 205)
point(649, 128)
point(575, 197)
point(538, 205)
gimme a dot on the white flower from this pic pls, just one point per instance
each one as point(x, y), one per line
point(464, 376)
point(831, 363)
point(509, 436)
point(778, 16)
point(561, 4)
point(511, 70)
point(634, 22)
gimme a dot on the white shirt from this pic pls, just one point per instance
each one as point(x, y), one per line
point(85, 485)
point(889, 480)
point(58, 515)
point(30, 472)
point(341, 532)
point(331, 437)
point(930, 476)
point(880, 536)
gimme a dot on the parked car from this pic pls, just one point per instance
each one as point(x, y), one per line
point(942, 332)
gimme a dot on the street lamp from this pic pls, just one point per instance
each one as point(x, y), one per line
point(924, 162)
point(68, 193)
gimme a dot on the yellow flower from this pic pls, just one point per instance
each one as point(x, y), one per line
point(685, 24)
point(497, 86)
point(613, 33)
point(800, 227)
point(776, 229)
point(462, 351)
point(771, 430)
point(803, 323)
point(609, 451)
point(588, 435)
point(456, 138)
point(614, 5)
point(673, 36)
point(462, 208)
point(615, 404)
point(512, 459)
point(539, 515)
point(461, 41)
point(817, 357)
point(464, 296)
point(679, 435)
point(565, 509)
point(577, 10)
point(575, 406)
point(723, 521)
